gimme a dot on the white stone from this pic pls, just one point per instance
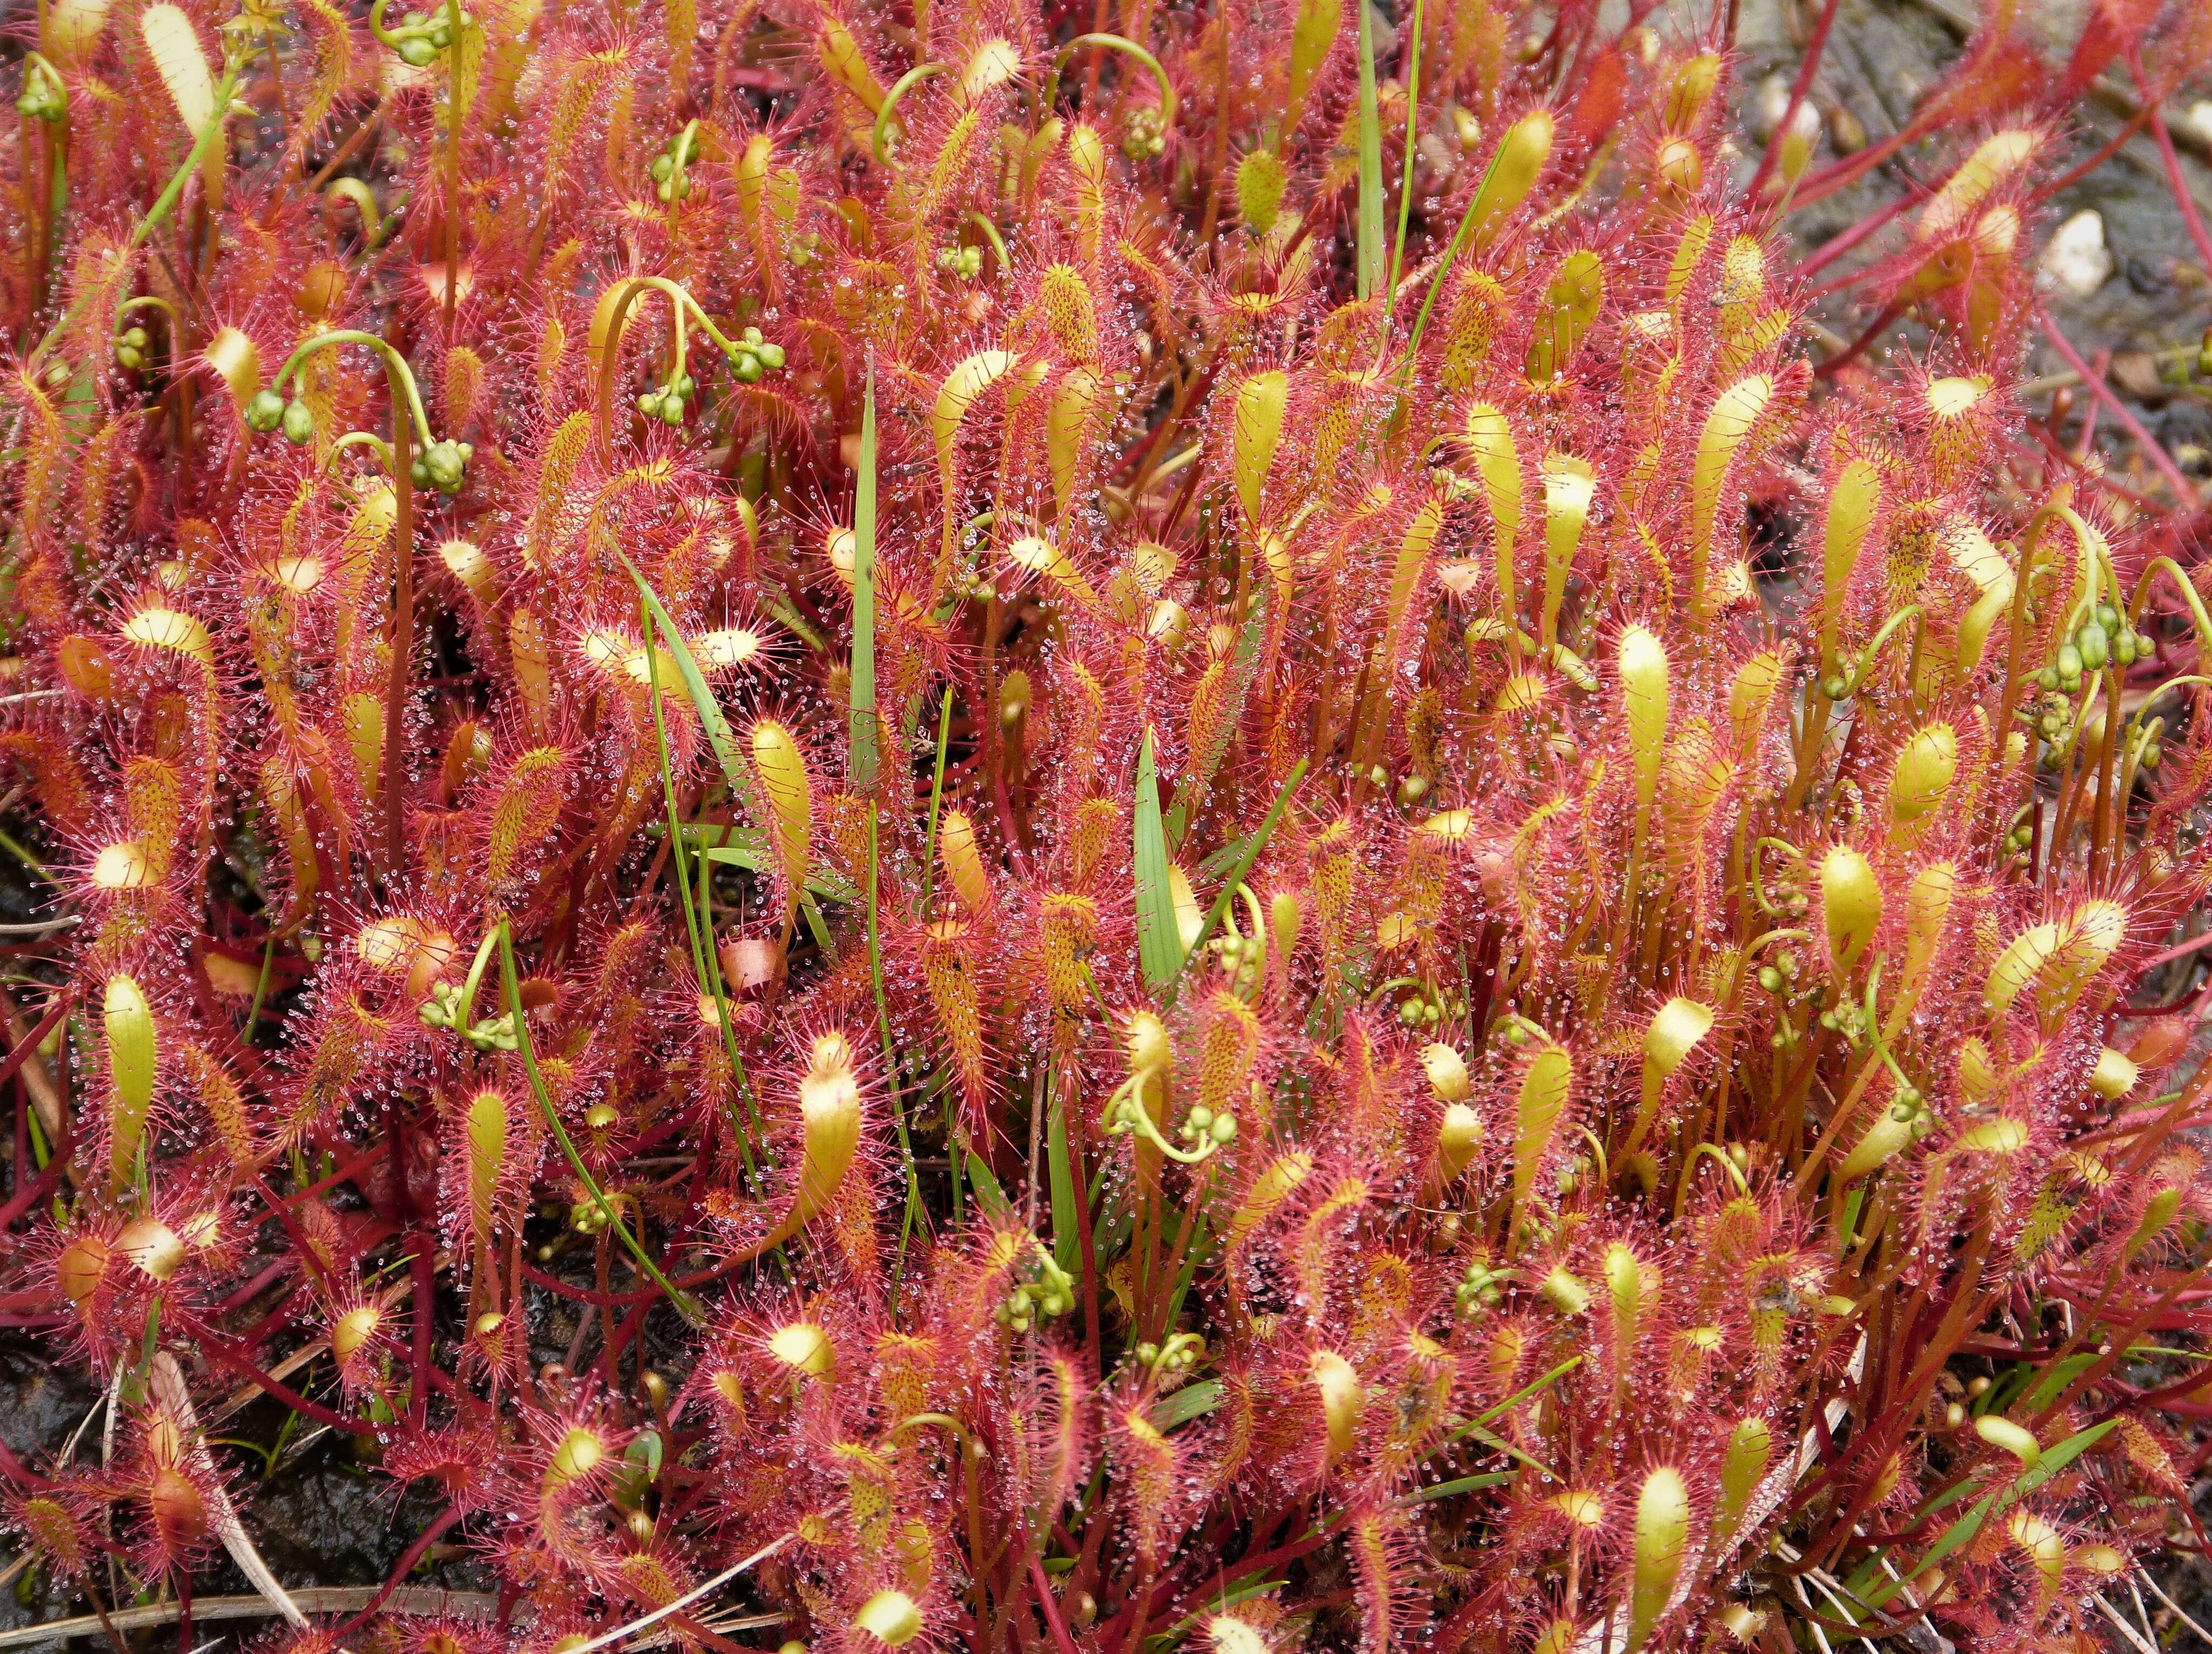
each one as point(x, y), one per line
point(2199, 120)
point(2077, 262)
point(1773, 103)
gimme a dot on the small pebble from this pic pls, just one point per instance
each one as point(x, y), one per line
point(2077, 262)
point(2199, 120)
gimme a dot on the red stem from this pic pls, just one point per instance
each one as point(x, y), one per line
point(1049, 1606)
point(1806, 70)
point(428, 1537)
point(2175, 177)
point(230, 1356)
point(2183, 492)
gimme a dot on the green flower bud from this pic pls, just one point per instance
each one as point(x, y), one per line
point(771, 355)
point(264, 412)
point(747, 368)
point(419, 474)
point(299, 422)
point(417, 52)
point(445, 466)
point(2095, 645)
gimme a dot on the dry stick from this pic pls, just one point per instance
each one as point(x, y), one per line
point(331, 1599)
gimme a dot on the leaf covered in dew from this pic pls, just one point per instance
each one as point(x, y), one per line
point(1125, 940)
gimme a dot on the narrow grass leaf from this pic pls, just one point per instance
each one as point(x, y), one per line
point(512, 983)
point(1158, 943)
point(864, 755)
point(1374, 253)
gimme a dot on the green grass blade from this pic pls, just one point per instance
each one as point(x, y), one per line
point(1405, 177)
point(719, 735)
point(1181, 1406)
point(890, 1059)
point(864, 755)
point(936, 799)
point(740, 846)
point(2047, 1464)
point(1186, 1275)
point(706, 962)
point(989, 1196)
point(1066, 1245)
point(1517, 1397)
point(1159, 949)
point(512, 981)
point(1248, 853)
point(1464, 1485)
point(1373, 252)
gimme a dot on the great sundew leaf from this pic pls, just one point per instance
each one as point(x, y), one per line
point(1159, 949)
point(863, 760)
point(1571, 303)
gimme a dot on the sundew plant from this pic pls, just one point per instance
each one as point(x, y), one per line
point(971, 827)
